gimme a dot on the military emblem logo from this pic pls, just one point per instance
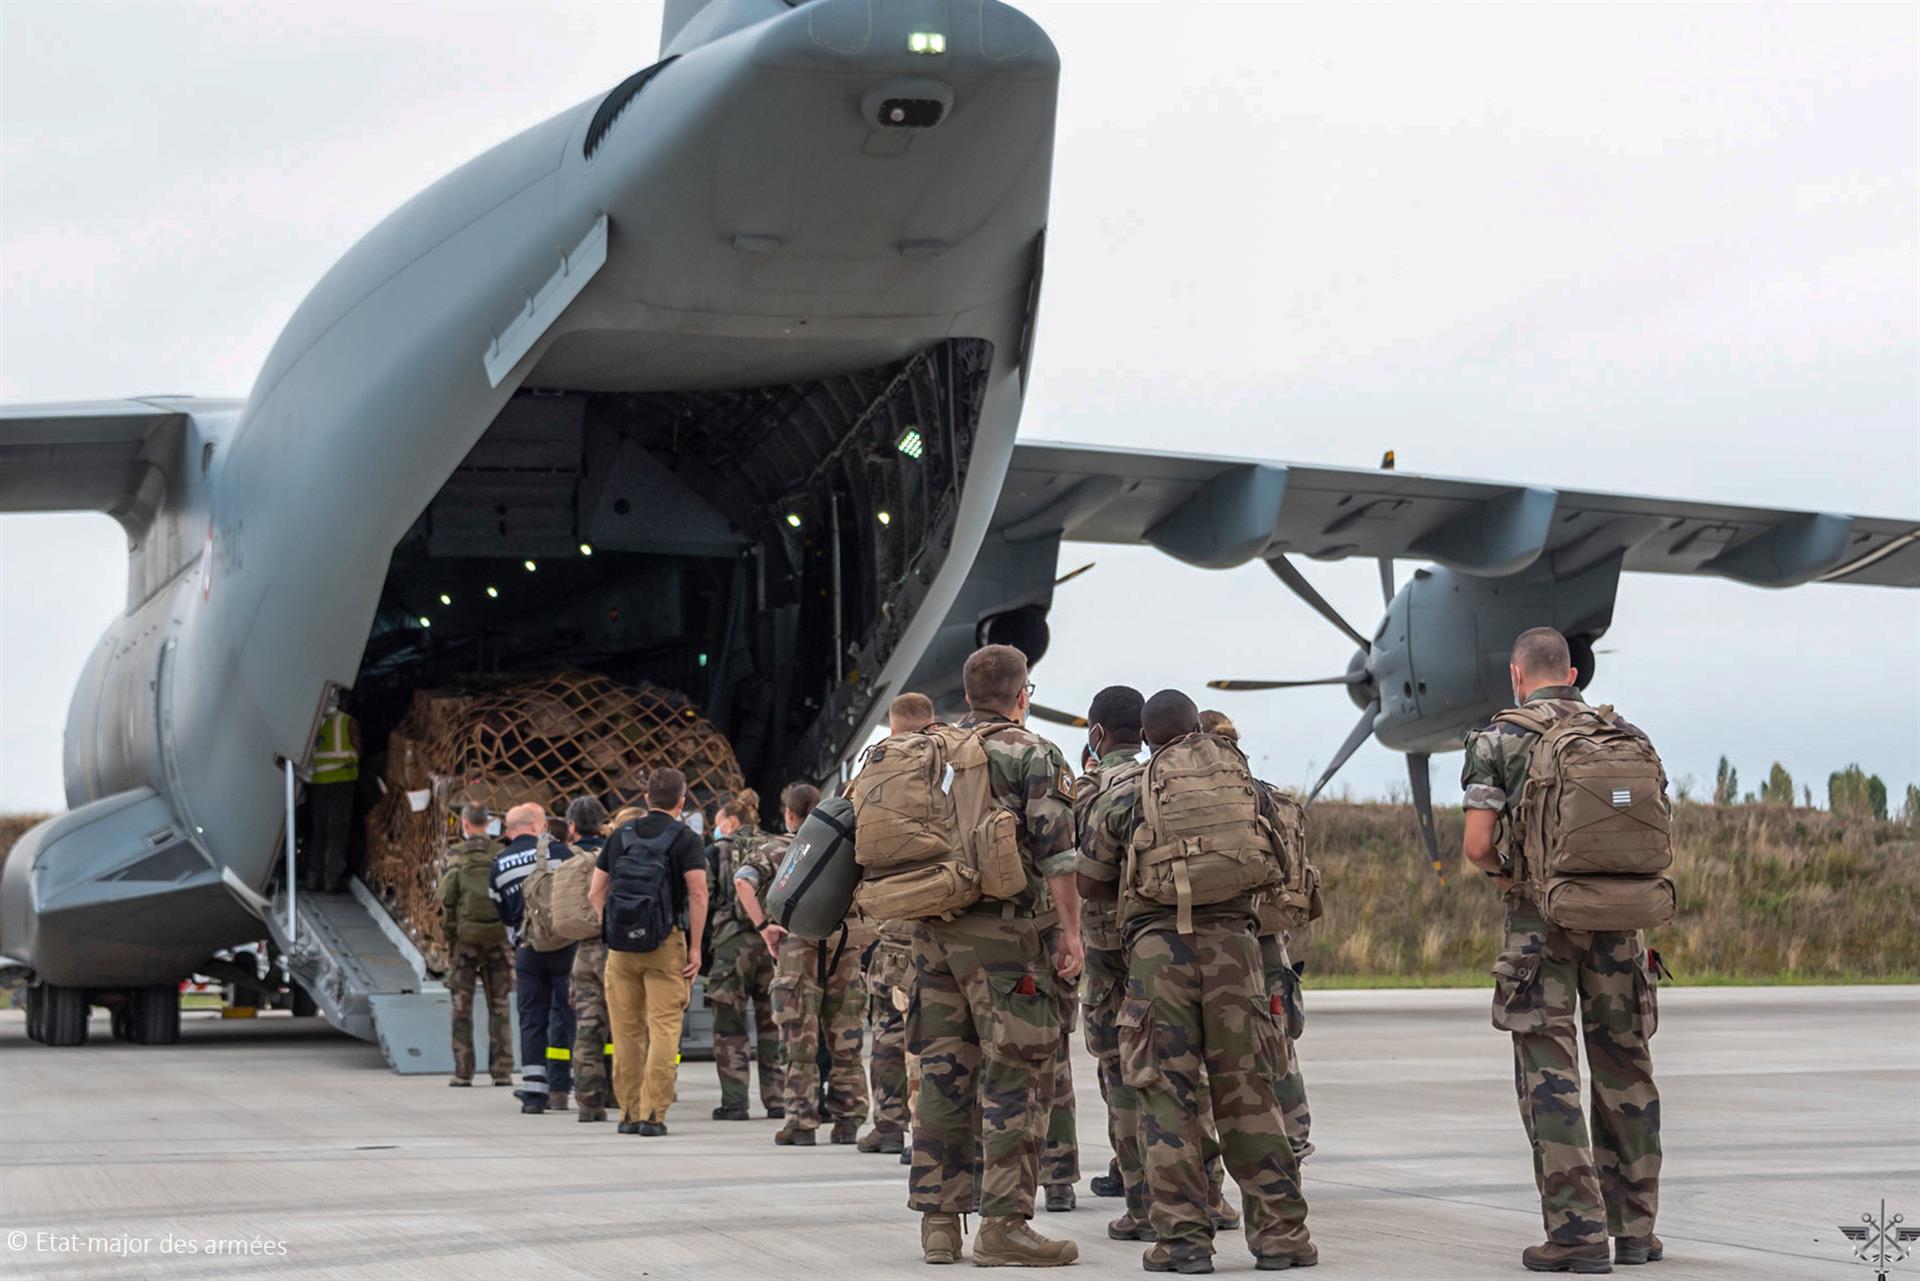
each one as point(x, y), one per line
point(1881, 1242)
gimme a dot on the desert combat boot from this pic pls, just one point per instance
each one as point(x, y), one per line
point(1638, 1250)
point(1550, 1257)
point(1005, 1241)
point(940, 1239)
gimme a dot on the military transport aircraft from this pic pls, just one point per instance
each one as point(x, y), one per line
point(745, 339)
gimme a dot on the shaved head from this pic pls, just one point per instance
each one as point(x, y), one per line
point(1541, 653)
point(1169, 715)
point(525, 820)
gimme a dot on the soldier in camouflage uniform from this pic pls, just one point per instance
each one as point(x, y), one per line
point(889, 977)
point(1284, 993)
point(1283, 987)
point(818, 997)
point(1060, 1157)
point(587, 982)
point(1197, 1026)
point(1113, 730)
point(742, 971)
point(890, 991)
point(476, 950)
point(1554, 988)
point(986, 1015)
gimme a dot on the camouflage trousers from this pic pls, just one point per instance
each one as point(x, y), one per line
point(1197, 1022)
point(1287, 1002)
point(491, 965)
point(817, 992)
point(1554, 988)
point(592, 1030)
point(1060, 1159)
point(985, 1023)
point(890, 987)
point(743, 972)
point(1106, 976)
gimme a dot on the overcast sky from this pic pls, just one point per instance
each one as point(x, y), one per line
point(1666, 250)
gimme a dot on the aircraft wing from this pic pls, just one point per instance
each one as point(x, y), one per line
point(1219, 512)
point(85, 456)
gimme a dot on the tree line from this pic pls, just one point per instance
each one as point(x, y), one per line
point(1851, 791)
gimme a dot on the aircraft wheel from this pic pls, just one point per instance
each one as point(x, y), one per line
point(153, 1014)
point(63, 1016)
point(36, 1015)
point(122, 1020)
point(304, 1006)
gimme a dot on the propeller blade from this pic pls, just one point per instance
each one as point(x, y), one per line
point(1055, 716)
point(1423, 807)
point(1072, 574)
point(1351, 678)
point(1360, 734)
point(1386, 562)
point(1283, 570)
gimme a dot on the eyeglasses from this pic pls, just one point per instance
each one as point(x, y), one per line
point(1030, 688)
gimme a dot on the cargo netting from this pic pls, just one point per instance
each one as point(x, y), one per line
point(546, 741)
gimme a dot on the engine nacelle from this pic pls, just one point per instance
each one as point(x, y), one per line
point(1440, 655)
point(1025, 629)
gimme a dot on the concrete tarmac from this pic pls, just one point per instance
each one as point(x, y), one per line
point(278, 1148)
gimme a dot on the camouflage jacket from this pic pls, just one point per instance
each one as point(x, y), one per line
point(749, 855)
point(1098, 928)
point(725, 917)
point(1029, 776)
point(1111, 821)
point(1496, 764)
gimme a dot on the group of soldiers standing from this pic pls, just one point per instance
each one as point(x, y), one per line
point(1191, 1010)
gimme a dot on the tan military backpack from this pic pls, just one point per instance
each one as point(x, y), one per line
point(1295, 900)
point(1201, 838)
point(1593, 822)
point(928, 838)
point(558, 911)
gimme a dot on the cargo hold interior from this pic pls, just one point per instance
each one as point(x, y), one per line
point(758, 549)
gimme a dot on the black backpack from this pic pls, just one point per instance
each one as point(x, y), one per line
point(640, 907)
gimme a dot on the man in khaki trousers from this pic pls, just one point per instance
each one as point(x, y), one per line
point(655, 871)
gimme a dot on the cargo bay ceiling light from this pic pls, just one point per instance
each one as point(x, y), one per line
point(445, 599)
point(586, 549)
point(927, 42)
point(425, 621)
point(530, 565)
point(911, 443)
point(493, 593)
point(884, 517)
point(793, 519)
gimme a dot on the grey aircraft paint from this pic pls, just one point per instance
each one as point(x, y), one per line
point(753, 327)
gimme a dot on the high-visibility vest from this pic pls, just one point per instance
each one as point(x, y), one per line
point(334, 760)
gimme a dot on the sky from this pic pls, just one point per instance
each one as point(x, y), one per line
point(1657, 249)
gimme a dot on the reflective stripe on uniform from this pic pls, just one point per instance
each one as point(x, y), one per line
point(560, 1053)
point(334, 760)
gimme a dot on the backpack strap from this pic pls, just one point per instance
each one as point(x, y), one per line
point(540, 850)
point(1528, 718)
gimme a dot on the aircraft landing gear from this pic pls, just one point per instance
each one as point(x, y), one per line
point(153, 1014)
point(57, 1015)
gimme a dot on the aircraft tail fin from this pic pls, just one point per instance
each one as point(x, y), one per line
point(688, 24)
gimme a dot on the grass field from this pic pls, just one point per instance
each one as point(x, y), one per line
point(1768, 894)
